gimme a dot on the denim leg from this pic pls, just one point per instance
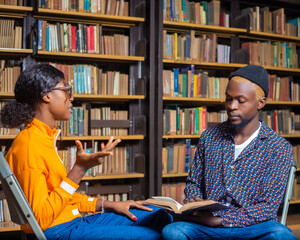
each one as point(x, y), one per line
point(113, 226)
point(189, 230)
point(156, 219)
point(270, 230)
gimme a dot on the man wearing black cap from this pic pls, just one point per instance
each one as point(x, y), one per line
point(241, 163)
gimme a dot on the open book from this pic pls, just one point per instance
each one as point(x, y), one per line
point(172, 205)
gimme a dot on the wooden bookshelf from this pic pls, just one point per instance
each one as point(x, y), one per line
point(174, 175)
point(210, 101)
point(207, 65)
point(15, 52)
point(87, 138)
point(181, 136)
point(15, 9)
point(215, 101)
point(103, 19)
point(9, 227)
point(86, 56)
point(209, 28)
point(267, 36)
point(91, 97)
point(290, 135)
point(113, 176)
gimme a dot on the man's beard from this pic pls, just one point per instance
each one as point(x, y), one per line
point(240, 125)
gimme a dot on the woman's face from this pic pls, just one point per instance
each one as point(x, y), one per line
point(61, 103)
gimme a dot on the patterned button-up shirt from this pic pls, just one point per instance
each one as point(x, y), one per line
point(255, 181)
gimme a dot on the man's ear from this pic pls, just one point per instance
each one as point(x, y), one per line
point(261, 102)
point(47, 98)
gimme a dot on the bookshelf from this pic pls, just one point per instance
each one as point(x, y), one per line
point(133, 182)
point(214, 69)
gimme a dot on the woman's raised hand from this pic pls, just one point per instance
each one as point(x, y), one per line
point(89, 160)
point(85, 161)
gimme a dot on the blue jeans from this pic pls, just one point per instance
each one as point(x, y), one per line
point(113, 226)
point(269, 230)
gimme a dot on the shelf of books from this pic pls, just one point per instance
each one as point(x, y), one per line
point(199, 52)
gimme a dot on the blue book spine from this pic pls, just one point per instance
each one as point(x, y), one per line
point(82, 78)
point(47, 39)
point(171, 9)
point(175, 70)
point(40, 34)
point(187, 155)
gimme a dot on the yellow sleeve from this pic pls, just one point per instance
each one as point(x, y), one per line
point(46, 204)
point(85, 203)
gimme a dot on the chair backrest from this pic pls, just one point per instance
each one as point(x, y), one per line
point(288, 192)
point(19, 208)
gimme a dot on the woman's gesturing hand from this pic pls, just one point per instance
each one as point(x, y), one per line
point(85, 161)
point(89, 160)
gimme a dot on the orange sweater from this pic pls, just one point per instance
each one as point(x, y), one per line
point(42, 176)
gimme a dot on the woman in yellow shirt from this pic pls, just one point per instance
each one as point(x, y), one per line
point(43, 97)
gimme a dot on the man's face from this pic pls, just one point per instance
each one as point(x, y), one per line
point(241, 103)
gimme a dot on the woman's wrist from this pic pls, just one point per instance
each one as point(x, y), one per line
point(76, 173)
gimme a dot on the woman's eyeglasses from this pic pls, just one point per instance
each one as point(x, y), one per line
point(67, 89)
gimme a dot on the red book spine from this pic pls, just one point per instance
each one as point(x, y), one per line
point(204, 118)
point(88, 38)
point(92, 40)
point(73, 37)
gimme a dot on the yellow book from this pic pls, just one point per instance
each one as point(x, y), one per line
point(195, 85)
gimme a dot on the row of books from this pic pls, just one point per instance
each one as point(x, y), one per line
point(206, 13)
point(264, 20)
point(88, 79)
point(79, 123)
point(12, 2)
point(175, 191)
point(274, 54)
point(177, 158)
point(187, 46)
point(185, 82)
point(9, 73)
point(4, 211)
point(117, 163)
point(10, 34)
point(111, 7)
point(283, 88)
point(80, 38)
point(182, 121)
point(281, 121)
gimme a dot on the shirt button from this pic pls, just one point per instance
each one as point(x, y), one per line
point(230, 225)
point(231, 166)
point(228, 189)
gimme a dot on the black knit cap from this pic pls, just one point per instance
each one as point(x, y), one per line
point(255, 74)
